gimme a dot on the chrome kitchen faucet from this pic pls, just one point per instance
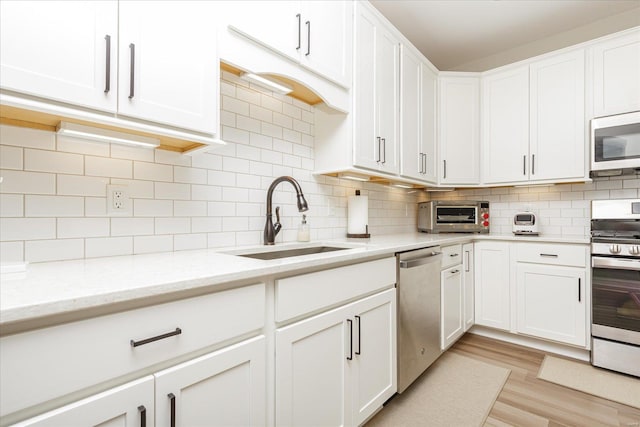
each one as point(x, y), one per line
point(270, 229)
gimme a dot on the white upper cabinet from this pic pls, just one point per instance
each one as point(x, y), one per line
point(557, 126)
point(533, 121)
point(459, 129)
point(616, 75)
point(156, 62)
point(417, 117)
point(168, 76)
point(61, 50)
point(318, 35)
point(376, 94)
point(505, 125)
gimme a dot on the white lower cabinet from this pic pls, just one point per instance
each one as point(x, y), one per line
point(452, 294)
point(224, 388)
point(130, 404)
point(337, 368)
point(492, 284)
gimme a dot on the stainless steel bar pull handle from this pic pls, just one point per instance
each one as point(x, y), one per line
point(467, 262)
point(359, 342)
point(579, 289)
point(549, 255)
point(134, 343)
point(421, 163)
point(172, 399)
point(434, 257)
point(132, 49)
point(143, 415)
point(308, 38)
point(350, 356)
point(107, 80)
point(384, 151)
point(299, 25)
point(444, 175)
point(533, 164)
point(524, 165)
point(424, 169)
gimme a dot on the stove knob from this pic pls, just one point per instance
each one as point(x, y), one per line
point(485, 223)
point(485, 215)
point(634, 250)
point(614, 249)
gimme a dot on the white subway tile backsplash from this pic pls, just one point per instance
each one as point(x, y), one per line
point(152, 208)
point(11, 252)
point(189, 208)
point(206, 225)
point(132, 226)
point(247, 152)
point(26, 137)
point(206, 192)
point(151, 244)
point(173, 191)
point(221, 208)
point(11, 205)
point(282, 120)
point(231, 194)
point(172, 225)
point(235, 105)
point(207, 161)
point(27, 182)
point(27, 228)
point(82, 227)
point(102, 166)
point(271, 103)
point(292, 111)
point(248, 181)
point(53, 206)
point(171, 158)
point(184, 242)
point(261, 141)
point(270, 156)
point(137, 189)
point(247, 95)
point(78, 185)
point(260, 113)
point(95, 206)
point(11, 157)
point(54, 250)
point(152, 171)
point(221, 240)
point(53, 161)
point(108, 246)
point(224, 179)
point(189, 175)
point(235, 223)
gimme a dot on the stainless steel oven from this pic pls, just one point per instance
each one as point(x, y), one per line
point(615, 292)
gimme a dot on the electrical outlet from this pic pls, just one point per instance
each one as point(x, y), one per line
point(118, 202)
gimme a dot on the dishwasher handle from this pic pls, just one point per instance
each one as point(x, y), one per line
point(410, 263)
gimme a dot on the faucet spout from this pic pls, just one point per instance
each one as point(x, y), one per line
point(271, 230)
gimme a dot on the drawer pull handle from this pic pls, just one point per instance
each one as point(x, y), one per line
point(172, 398)
point(549, 255)
point(143, 415)
point(359, 343)
point(455, 272)
point(134, 343)
point(452, 255)
point(350, 356)
point(579, 289)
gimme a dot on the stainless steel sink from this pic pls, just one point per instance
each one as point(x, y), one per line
point(287, 253)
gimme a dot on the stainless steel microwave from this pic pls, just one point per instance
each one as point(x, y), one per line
point(615, 144)
point(453, 216)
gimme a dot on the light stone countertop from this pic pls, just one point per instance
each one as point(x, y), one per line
point(63, 287)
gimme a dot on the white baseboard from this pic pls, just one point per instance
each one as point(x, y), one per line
point(550, 347)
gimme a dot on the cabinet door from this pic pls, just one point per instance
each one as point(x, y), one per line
point(224, 388)
point(459, 130)
point(557, 139)
point(312, 388)
point(492, 284)
point(130, 404)
point(451, 291)
point(412, 155)
point(375, 368)
point(60, 49)
point(468, 285)
point(505, 126)
point(551, 302)
point(428, 86)
point(326, 39)
point(276, 24)
point(376, 93)
point(616, 67)
point(168, 65)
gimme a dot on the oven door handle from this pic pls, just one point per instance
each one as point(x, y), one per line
point(615, 263)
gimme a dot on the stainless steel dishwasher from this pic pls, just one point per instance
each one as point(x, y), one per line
point(418, 326)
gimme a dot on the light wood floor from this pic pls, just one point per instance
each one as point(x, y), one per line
point(528, 401)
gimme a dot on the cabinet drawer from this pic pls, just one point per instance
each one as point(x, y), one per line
point(47, 363)
point(554, 254)
point(298, 295)
point(451, 255)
